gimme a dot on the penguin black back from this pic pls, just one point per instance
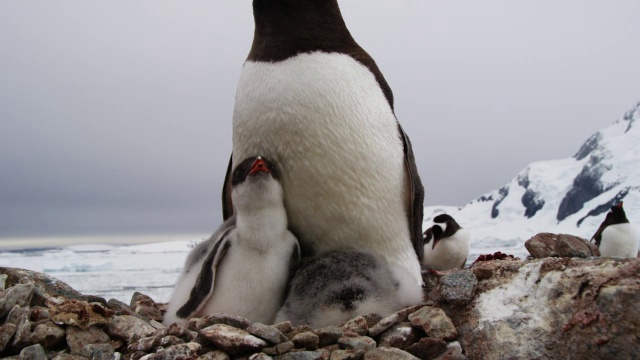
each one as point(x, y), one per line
point(286, 28)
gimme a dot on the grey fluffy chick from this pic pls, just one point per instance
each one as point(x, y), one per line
point(340, 285)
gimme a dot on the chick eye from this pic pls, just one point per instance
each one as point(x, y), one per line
point(237, 176)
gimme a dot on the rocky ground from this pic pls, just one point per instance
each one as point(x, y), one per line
point(547, 308)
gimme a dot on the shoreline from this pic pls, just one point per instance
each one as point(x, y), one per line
point(55, 242)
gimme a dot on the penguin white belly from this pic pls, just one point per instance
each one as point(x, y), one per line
point(619, 240)
point(450, 253)
point(250, 283)
point(324, 119)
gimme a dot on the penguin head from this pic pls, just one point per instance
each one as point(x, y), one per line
point(255, 184)
point(616, 215)
point(444, 227)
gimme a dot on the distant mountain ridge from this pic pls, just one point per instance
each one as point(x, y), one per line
point(568, 195)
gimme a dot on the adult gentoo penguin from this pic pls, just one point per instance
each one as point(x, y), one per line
point(339, 285)
point(243, 268)
point(615, 236)
point(325, 115)
point(446, 244)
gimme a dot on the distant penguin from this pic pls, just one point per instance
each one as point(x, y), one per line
point(325, 115)
point(446, 244)
point(615, 236)
point(244, 267)
point(340, 285)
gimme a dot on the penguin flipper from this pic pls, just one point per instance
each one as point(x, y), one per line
point(227, 204)
point(416, 193)
point(203, 288)
point(598, 235)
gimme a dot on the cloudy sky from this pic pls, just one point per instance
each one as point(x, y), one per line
point(115, 116)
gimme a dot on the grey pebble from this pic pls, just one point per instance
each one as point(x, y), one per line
point(458, 287)
point(358, 343)
point(267, 333)
point(328, 335)
point(306, 340)
point(33, 352)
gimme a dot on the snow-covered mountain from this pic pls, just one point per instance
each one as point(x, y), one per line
point(569, 195)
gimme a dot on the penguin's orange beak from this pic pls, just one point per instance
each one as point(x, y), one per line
point(259, 166)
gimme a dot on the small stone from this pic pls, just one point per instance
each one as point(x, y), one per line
point(119, 308)
point(328, 335)
point(129, 328)
point(279, 349)
point(64, 356)
point(427, 348)
point(232, 340)
point(572, 246)
point(6, 333)
point(170, 340)
point(20, 317)
point(372, 319)
point(542, 245)
point(399, 336)
point(98, 351)
point(301, 355)
point(458, 287)
point(3, 281)
point(357, 343)
point(78, 313)
point(145, 307)
point(403, 314)
point(260, 356)
point(347, 355)
point(297, 330)
point(181, 351)
point(453, 352)
point(384, 324)
point(77, 338)
point(434, 322)
point(137, 355)
point(157, 325)
point(145, 344)
point(20, 295)
point(284, 327)
point(48, 334)
point(482, 273)
point(383, 353)
point(39, 313)
point(358, 325)
point(213, 319)
point(306, 340)
point(33, 352)
point(214, 355)
point(181, 331)
point(267, 333)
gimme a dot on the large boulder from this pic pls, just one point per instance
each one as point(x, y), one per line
point(553, 308)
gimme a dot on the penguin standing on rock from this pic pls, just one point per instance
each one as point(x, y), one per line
point(325, 115)
point(446, 244)
point(615, 236)
point(244, 267)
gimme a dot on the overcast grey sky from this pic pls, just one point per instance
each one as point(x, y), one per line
point(116, 115)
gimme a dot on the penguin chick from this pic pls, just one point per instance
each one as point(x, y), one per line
point(615, 236)
point(244, 267)
point(339, 285)
point(446, 244)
